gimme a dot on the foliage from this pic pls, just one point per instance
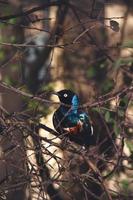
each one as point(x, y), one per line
point(79, 47)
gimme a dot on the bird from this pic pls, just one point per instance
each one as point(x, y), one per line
point(71, 121)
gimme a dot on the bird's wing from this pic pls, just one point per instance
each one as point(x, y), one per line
point(84, 118)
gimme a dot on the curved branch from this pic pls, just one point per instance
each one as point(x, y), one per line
point(32, 10)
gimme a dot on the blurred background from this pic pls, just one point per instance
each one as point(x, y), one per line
point(46, 46)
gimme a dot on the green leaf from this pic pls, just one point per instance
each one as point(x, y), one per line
point(107, 85)
point(103, 65)
point(91, 72)
point(128, 44)
point(2, 55)
point(13, 20)
point(125, 184)
point(95, 109)
point(12, 39)
point(129, 145)
point(107, 116)
point(33, 104)
point(116, 128)
point(121, 113)
point(124, 102)
point(120, 62)
point(9, 80)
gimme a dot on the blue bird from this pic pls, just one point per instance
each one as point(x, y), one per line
point(71, 121)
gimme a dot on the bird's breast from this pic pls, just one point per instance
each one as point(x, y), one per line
point(75, 129)
point(71, 122)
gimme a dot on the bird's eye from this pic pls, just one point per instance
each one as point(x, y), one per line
point(65, 95)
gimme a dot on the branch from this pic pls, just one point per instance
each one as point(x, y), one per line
point(25, 94)
point(43, 170)
point(32, 10)
point(88, 34)
point(100, 101)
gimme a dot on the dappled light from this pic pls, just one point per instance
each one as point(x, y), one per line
point(76, 143)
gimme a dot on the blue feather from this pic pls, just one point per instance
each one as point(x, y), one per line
point(75, 104)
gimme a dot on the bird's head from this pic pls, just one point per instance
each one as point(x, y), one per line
point(67, 97)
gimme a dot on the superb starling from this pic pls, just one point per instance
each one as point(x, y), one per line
point(71, 121)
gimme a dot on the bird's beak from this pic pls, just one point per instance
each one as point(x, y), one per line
point(55, 93)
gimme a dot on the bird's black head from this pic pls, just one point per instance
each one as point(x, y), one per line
point(65, 96)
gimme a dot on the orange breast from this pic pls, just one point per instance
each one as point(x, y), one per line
point(75, 129)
